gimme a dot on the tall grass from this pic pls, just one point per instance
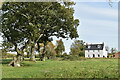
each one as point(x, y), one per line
point(88, 68)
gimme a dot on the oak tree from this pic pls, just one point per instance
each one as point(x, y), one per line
point(27, 23)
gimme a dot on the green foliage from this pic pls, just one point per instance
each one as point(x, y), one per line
point(113, 50)
point(6, 46)
point(64, 54)
point(60, 48)
point(50, 50)
point(77, 48)
point(73, 58)
point(25, 23)
point(90, 68)
point(7, 55)
point(33, 19)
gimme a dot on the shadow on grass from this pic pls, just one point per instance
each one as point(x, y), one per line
point(6, 61)
point(25, 64)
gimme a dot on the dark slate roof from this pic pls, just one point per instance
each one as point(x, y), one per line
point(94, 46)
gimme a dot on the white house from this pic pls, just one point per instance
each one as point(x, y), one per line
point(96, 50)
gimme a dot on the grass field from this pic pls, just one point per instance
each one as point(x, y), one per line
point(89, 68)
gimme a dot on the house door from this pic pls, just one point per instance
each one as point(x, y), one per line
point(88, 56)
point(98, 55)
point(93, 55)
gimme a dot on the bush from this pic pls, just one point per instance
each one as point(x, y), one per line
point(64, 54)
point(58, 55)
point(73, 58)
point(8, 55)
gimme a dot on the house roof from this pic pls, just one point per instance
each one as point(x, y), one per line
point(94, 46)
point(117, 53)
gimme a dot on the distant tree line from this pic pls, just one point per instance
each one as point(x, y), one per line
point(55, 51)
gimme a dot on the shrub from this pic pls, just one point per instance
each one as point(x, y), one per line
point(64, 54)
point(8, 55)
point(73, 58)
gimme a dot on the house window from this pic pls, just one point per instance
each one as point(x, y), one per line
point(99, 46)
point(88, 55)
point(93, 55)
point(98, 50)
point(113, 55)
point(93, 50)
point(88, 51)
point(89, 46)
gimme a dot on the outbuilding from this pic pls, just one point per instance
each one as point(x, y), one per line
point(117, 55)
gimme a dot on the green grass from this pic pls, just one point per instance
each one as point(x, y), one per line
point(89, 68)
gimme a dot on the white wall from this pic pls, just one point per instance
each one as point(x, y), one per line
point(105, 53)
point(96, 53)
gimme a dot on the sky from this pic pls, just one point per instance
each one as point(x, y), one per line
point(98, 23)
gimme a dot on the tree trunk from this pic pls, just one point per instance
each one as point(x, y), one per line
point(16, 60)
point(42, 58)
point(27, 54)
point(38, 49)
point(32, 57)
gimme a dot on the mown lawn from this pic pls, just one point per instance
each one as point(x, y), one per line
point(89, 68)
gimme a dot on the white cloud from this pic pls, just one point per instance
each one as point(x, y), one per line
point(99, 22)
point(95, 10)
point(98, 28)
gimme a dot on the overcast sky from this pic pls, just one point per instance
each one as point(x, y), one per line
point(98, 23)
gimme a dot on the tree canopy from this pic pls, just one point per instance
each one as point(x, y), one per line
point(26, 23)
point(77, 48)
point(60, 48)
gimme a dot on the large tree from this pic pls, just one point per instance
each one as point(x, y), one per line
point(27, 23)
point(13, 29)
point(60, 48)
point(50, 50)
point(77, 48)
point(113, 50)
